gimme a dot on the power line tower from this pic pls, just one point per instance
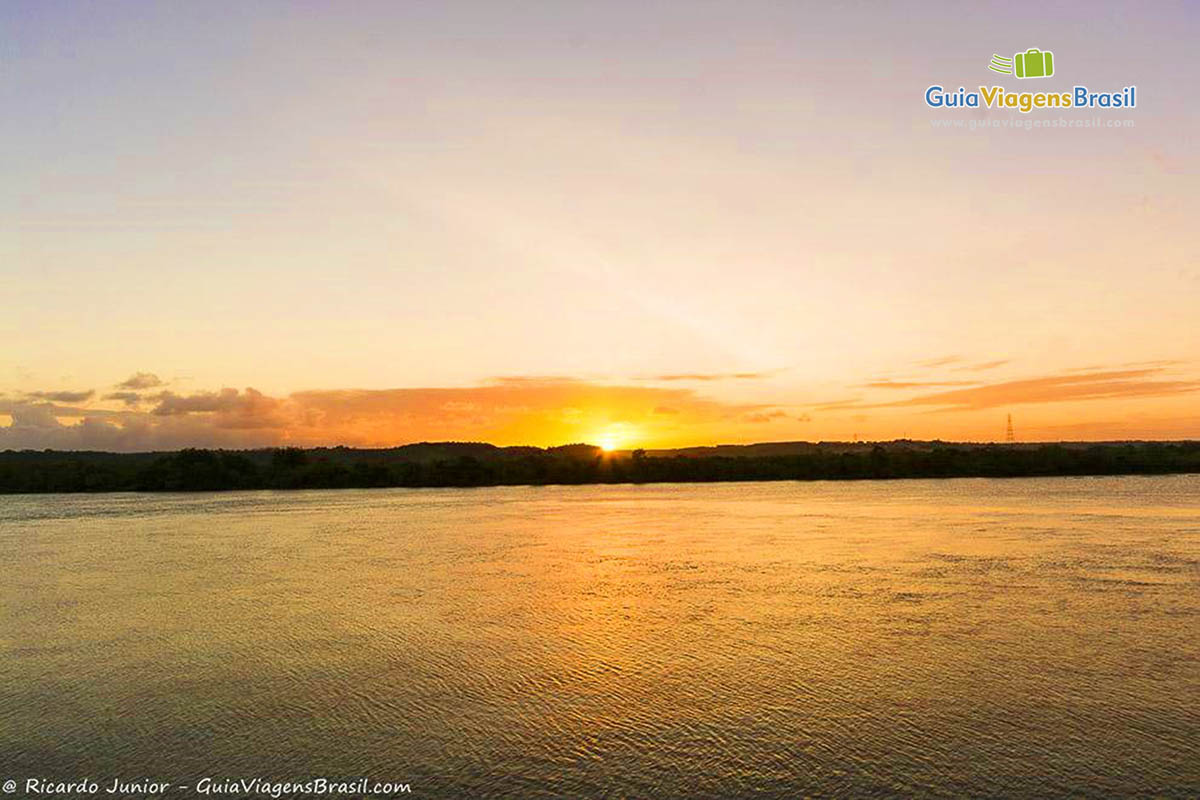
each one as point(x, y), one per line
point(1008, 431)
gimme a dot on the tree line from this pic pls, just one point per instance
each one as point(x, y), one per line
point(484, 465)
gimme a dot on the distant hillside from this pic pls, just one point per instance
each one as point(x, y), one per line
point(479, 464)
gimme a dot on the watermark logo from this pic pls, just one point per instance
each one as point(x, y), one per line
point(1001, 64)
point(1033, 63)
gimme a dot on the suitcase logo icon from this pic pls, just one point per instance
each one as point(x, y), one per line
point(1033, 63)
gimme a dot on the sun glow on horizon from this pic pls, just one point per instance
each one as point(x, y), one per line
point(614, 437)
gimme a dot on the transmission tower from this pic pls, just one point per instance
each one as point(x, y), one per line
point(1008, 431)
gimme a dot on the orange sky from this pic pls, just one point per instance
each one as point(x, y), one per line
point(552, 223)
point(144, 412)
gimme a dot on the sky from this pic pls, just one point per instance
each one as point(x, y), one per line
point(633, 224)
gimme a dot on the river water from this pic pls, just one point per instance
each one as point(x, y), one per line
point(1036, 637)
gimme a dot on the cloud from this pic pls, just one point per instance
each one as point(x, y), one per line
point(765, 416)
point(712, 376)
point(128, 398)
point(1159, 363)
point(1054, 389)
point(534, 380)
point(940, 362)
point(525, 410)
point(890, 384)
point(1127, 365)
point(837, 405)
point(33, 416)
point(39, 425)
point(141, 380)
point(947, 361)
point(62, 397)
point(513, 410)
point(229, 408)
point(983, 366)
point(1135, 426)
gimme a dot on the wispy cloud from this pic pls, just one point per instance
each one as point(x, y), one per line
point(1135, 426)
point(940, 361)
point(837, 405)
point(960, 364)
point(712, 376)
point(1159, 363)
point(766, 416)
point(982, 366)
point(1054, 389)
point(535, 380)
point(890, 384)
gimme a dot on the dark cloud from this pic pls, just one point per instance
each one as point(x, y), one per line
point(33, 416)
point(12, 407)
point(229, 408)
point(62, 397)
point(128, 398)
point(141, 380)
point(37, 426)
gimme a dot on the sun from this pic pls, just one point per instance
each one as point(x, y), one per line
point(614, 437)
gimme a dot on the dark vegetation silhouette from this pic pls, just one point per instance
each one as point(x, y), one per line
point(471, 464)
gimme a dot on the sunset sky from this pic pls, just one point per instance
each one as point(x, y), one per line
point(653, 225)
